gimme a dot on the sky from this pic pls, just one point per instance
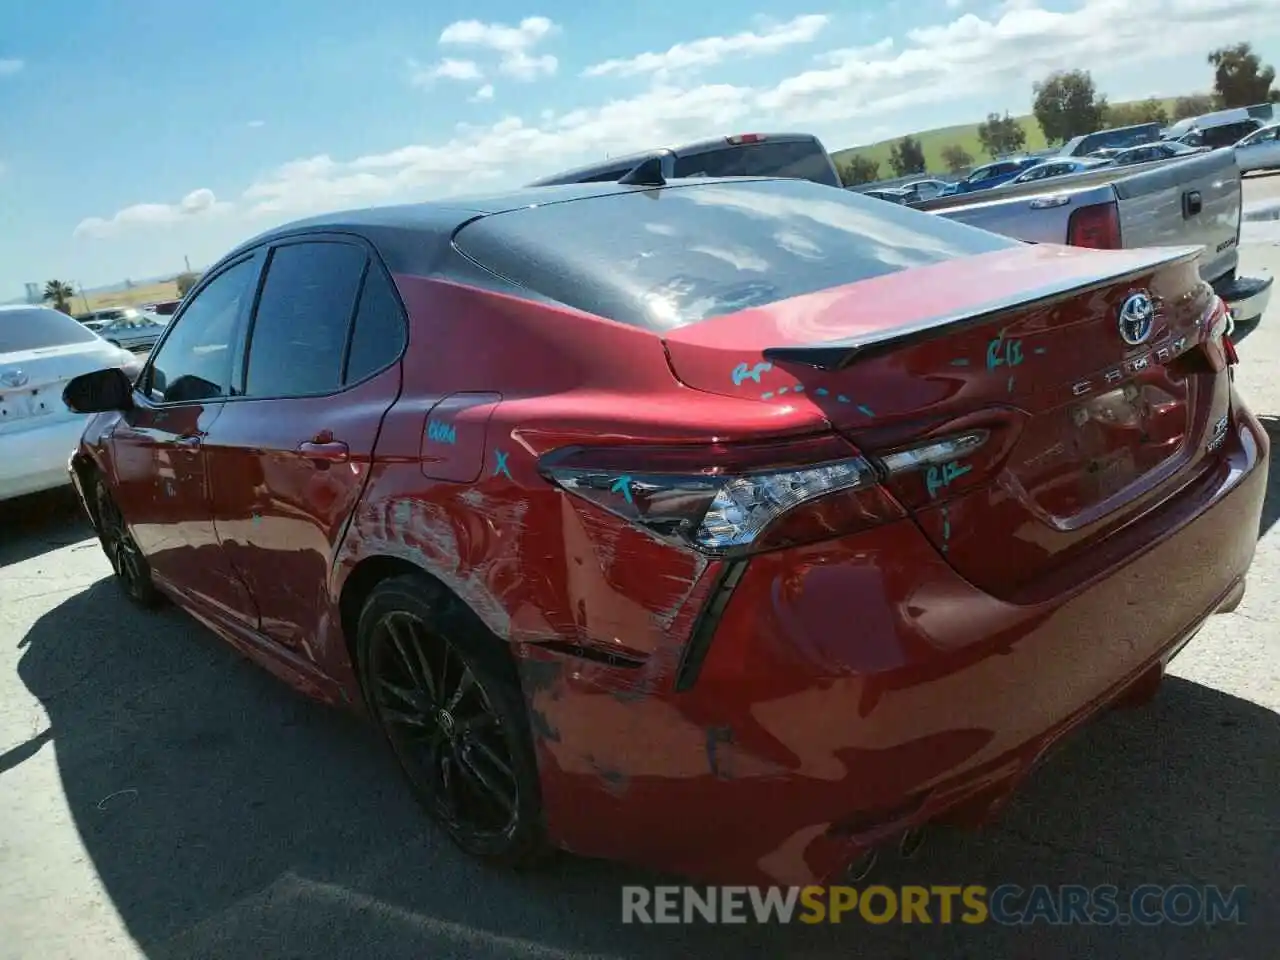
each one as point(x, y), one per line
point(134, 133)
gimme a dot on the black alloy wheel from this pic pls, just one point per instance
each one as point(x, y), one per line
point(132, 571)
point(455, 721)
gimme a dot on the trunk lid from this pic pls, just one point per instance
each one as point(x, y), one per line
point(31, 381)
point(1080, 430)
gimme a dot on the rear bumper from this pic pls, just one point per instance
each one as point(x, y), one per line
point(1246, 297)
point(858, 688)
point(34, 460)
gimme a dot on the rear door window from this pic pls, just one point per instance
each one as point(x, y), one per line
point(664, 259)
point(797, 159)
point(379, 334)
point(299, 332)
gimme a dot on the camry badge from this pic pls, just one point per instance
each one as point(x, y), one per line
point(1137, 319)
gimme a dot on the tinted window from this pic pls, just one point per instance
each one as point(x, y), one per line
point(379, 334)
point(300, 328)
point(194, 362)
point(799, 159)
point(664, 259)
point(39, 327)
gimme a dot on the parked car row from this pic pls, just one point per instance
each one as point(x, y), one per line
point(126, 327)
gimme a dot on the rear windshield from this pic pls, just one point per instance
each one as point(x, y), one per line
point(662, 259)
point(38, 328)
point(800, 159)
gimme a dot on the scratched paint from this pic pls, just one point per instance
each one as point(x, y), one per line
point(442, 432)
point(940, 476)
point(742, 372)
point(946, 529)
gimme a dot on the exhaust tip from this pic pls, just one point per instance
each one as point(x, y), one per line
point(862, 867)
point(911, 842)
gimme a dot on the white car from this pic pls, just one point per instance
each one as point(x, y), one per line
point(1260, 150)
point(40, 350)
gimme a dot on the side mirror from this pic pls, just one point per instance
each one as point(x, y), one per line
point(99, 392)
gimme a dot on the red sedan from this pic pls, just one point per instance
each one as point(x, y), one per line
point(735, 528)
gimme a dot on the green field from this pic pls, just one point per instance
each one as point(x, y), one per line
point(935, 141)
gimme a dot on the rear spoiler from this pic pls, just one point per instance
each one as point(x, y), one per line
point(839, 354)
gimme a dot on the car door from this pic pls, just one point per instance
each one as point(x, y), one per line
point(161, 472)
point(290, 457)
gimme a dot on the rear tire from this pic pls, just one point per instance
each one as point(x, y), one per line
point(445, 694)
point(132, 571)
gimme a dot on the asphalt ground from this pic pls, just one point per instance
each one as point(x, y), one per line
point(161, 797)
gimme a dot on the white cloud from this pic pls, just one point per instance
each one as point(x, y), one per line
point(446, 69)
point(482, 95)
point(9, 67)
point(865, 88)
point(514, 44)
point(709, 51)
point(196, 204)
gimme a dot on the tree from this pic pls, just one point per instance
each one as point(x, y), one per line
point(907, 156)
point(1239, 77)
point(859, 169)
point(1150, 110)
point(1001, 135)
point(957, 158)
point(185, 281)
point(1067, 104)
point(1192, 106)
point(59, 294)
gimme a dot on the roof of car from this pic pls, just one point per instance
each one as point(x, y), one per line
point(440, 219)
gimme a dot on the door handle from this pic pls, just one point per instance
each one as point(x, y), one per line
point(1192, 203)
point(325, 451)
point(188, 441)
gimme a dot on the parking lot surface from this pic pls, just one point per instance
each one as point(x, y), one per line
point(160, 797)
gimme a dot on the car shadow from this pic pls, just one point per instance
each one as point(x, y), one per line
point(1271, 505)
point(39, 522)
point(223, 813)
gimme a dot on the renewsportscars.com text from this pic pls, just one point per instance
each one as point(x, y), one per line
point(1007, 905)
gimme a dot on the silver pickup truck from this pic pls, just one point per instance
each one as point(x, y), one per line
point(1170, 203)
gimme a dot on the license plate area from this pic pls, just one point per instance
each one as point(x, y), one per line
point(18, 405)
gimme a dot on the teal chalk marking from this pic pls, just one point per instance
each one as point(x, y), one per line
point(842, 398)
point(798, 388)
point(442, 432)
point(501, 466)
point(623, 486)
point(1003, 353)
point(959, 362)
point(767, 396)
point(1009, 385)
point(939, 477)
point(946, 529)
point(742, 372)
point(256, 519)
point(1041, 351)
point(821, 391)
point(865, 410)
point(781, 391)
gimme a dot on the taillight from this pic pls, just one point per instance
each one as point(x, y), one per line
point(730, 499)
point(1096, 226)
point(937, 469)
point(746, 138)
